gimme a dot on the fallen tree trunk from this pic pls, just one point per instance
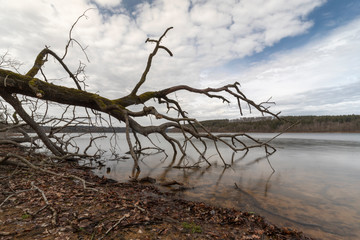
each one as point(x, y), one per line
point(12, 83)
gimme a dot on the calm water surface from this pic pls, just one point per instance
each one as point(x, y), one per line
point(315, 186)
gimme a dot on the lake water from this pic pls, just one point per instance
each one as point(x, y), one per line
point(315, 186)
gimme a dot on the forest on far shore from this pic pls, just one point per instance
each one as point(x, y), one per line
point(342, 123)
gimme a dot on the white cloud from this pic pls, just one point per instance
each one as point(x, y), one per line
point(206, 34)
point(209, 16)
point(302, 76)
point(108, 3)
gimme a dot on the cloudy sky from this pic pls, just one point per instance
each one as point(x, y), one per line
point(305, 54)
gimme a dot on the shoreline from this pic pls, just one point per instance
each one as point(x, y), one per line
point(114, 210)
point(276, 132)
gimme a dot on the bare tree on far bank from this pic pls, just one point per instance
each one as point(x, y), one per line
point(32, 94)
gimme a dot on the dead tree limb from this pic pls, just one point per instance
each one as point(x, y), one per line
point(30, 121)
point(28, 85)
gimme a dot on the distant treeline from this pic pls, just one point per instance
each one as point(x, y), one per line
point(84, 129)
point(343, 123)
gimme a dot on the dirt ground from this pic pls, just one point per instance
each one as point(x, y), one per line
point(39, 205)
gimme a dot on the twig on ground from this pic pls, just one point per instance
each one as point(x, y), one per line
point(14, 194)
point(54, 213)
point(115, 225)
point(29, 164)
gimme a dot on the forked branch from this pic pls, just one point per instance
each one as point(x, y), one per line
point(150, 58)
point(194, 134)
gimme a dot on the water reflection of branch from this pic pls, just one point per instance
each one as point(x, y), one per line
point(220, 177)
point(143, 152)
point(267, 158)
point(267, 186)
point(239, 159)
point(257, 160)
point(255, 203)
point(178, 166)
point(204, 170)
point(151, 169)
point(164, 174)
point(187, 162)
point(171, 166)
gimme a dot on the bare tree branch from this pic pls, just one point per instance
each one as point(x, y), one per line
point(193, 132)
point(149, 62)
